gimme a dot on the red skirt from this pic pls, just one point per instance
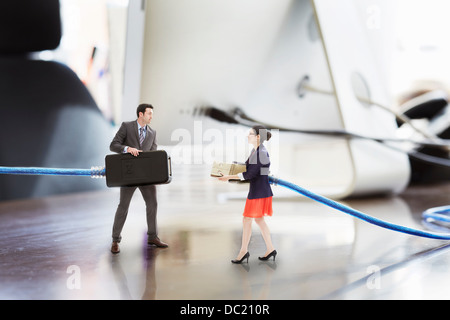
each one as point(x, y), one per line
point(258, 208)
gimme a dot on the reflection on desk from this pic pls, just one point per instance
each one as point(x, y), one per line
point(323, 253)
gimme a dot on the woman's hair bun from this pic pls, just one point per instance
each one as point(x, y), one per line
point(263, 133)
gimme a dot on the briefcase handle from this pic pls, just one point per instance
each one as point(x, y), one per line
point(169, 162)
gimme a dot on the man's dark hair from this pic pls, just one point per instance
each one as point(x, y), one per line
point(142, 107)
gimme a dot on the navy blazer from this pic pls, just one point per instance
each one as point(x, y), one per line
point(257, 172)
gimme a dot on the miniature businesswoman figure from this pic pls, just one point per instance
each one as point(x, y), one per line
point(259, 199)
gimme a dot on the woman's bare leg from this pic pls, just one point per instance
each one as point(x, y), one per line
point(265, 234)
point(246, 235)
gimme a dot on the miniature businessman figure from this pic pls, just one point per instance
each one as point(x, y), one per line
point(134, 137)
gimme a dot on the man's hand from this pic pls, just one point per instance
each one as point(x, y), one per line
point(133, 151)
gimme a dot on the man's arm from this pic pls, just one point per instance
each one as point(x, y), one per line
point(117, 143)
point(155, 143)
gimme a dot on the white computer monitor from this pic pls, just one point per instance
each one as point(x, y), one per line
point(253, 54)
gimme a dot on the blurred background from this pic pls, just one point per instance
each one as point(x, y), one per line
point(408, 39)
point(249, 56)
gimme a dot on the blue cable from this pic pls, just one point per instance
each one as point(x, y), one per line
point(363, 216)
point(94, 172)
point(439, 213)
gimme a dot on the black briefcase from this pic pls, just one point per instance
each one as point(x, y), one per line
point(126, 170)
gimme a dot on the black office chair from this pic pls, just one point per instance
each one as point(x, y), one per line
point(47, 116)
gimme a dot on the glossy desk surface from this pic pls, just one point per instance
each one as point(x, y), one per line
point(58, 247)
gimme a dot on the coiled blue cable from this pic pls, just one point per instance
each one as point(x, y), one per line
point(363, 216)
point(438, 213)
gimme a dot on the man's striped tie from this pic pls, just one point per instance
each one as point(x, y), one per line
point(141, 136)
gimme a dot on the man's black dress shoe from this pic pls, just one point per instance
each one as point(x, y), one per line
point(115, 247)
point(157, 242)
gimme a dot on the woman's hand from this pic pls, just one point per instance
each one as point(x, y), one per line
point(226, 178)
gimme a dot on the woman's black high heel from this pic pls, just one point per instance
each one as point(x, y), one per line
point(272, 254)
point(246, 256)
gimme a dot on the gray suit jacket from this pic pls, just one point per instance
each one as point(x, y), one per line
point(128, 136)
